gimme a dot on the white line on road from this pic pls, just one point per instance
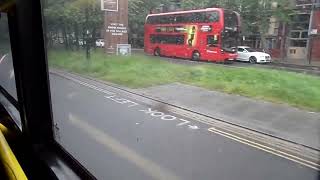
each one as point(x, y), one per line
point(120, 100)
point(147, 166)
point(266, 149)
point(183, 123)
point(2, 58)
point(89, 85)
point(193, 127)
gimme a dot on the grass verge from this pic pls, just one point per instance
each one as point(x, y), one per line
point(139, 71)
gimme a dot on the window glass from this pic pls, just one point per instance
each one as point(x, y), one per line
point(7, 77)
point(295, 34)
point(304, 34)
point(298, 43)
point(196, 17)
point(212, 16)
point(212, 40)
point(250, 50)
point(167, 96)
point(240, 49)
point(167, 39)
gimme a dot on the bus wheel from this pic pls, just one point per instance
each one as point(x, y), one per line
point(157, 52)
point(195, 56)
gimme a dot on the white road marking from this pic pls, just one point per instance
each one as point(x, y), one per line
point(193, 127)
point(91, 86)
point(113, 97)
point(156, 113)
point(2, 58)
point(121, 100)
point(168, 118)
point(183, 123)
point(225, 134)
point(266, 149)
point(147, 166)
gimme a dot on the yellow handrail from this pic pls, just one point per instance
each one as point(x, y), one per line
point(8, 159)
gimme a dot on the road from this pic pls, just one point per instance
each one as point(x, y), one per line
point(115, 136)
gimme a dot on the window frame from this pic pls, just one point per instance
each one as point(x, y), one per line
point(26, 31)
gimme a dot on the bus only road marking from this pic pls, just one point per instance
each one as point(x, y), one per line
point(121, 100)
point(212, 129)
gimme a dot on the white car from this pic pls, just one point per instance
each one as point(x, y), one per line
point(82, 42)
point(245, 53)
point(100, 43)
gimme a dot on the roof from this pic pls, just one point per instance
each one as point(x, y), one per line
point(189, 11)
point(243, 47)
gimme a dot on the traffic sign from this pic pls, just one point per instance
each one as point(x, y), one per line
point(110, 5)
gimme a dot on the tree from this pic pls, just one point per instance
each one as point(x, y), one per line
point(138, 11)
point(73, 19)
point(255, 14)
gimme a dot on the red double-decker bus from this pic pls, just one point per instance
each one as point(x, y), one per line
point(206, 34)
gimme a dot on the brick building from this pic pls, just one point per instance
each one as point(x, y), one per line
point(299, 41)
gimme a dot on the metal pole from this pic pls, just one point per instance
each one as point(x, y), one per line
point(310, 41)
point(87, 33)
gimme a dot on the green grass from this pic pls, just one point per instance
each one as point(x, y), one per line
point(139, 71)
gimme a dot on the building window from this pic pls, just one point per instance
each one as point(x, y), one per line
point(292, 51)
point(295, 34)
point(304, 34)
point(298, 43)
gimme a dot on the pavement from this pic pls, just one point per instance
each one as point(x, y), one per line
point(117, 136)
point(315, 63)
point(278, 120)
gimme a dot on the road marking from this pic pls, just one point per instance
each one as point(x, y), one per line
point(113, 96)
point(193, 127)
point(183, 123)
point(225, 134)
point(90, 86)
point(121, 100)
point(2, 58)
point(168, 118)
point(147, 166)
point(266, 149)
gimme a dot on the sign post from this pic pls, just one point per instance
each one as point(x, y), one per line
point(115, 24)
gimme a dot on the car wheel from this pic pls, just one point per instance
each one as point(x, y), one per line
point(253, 60)
point(195, 56)
point(156, 52)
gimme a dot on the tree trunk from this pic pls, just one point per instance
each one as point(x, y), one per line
point(76, 33)
point(93, 40)
point(87, 34)
point(65, 39)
